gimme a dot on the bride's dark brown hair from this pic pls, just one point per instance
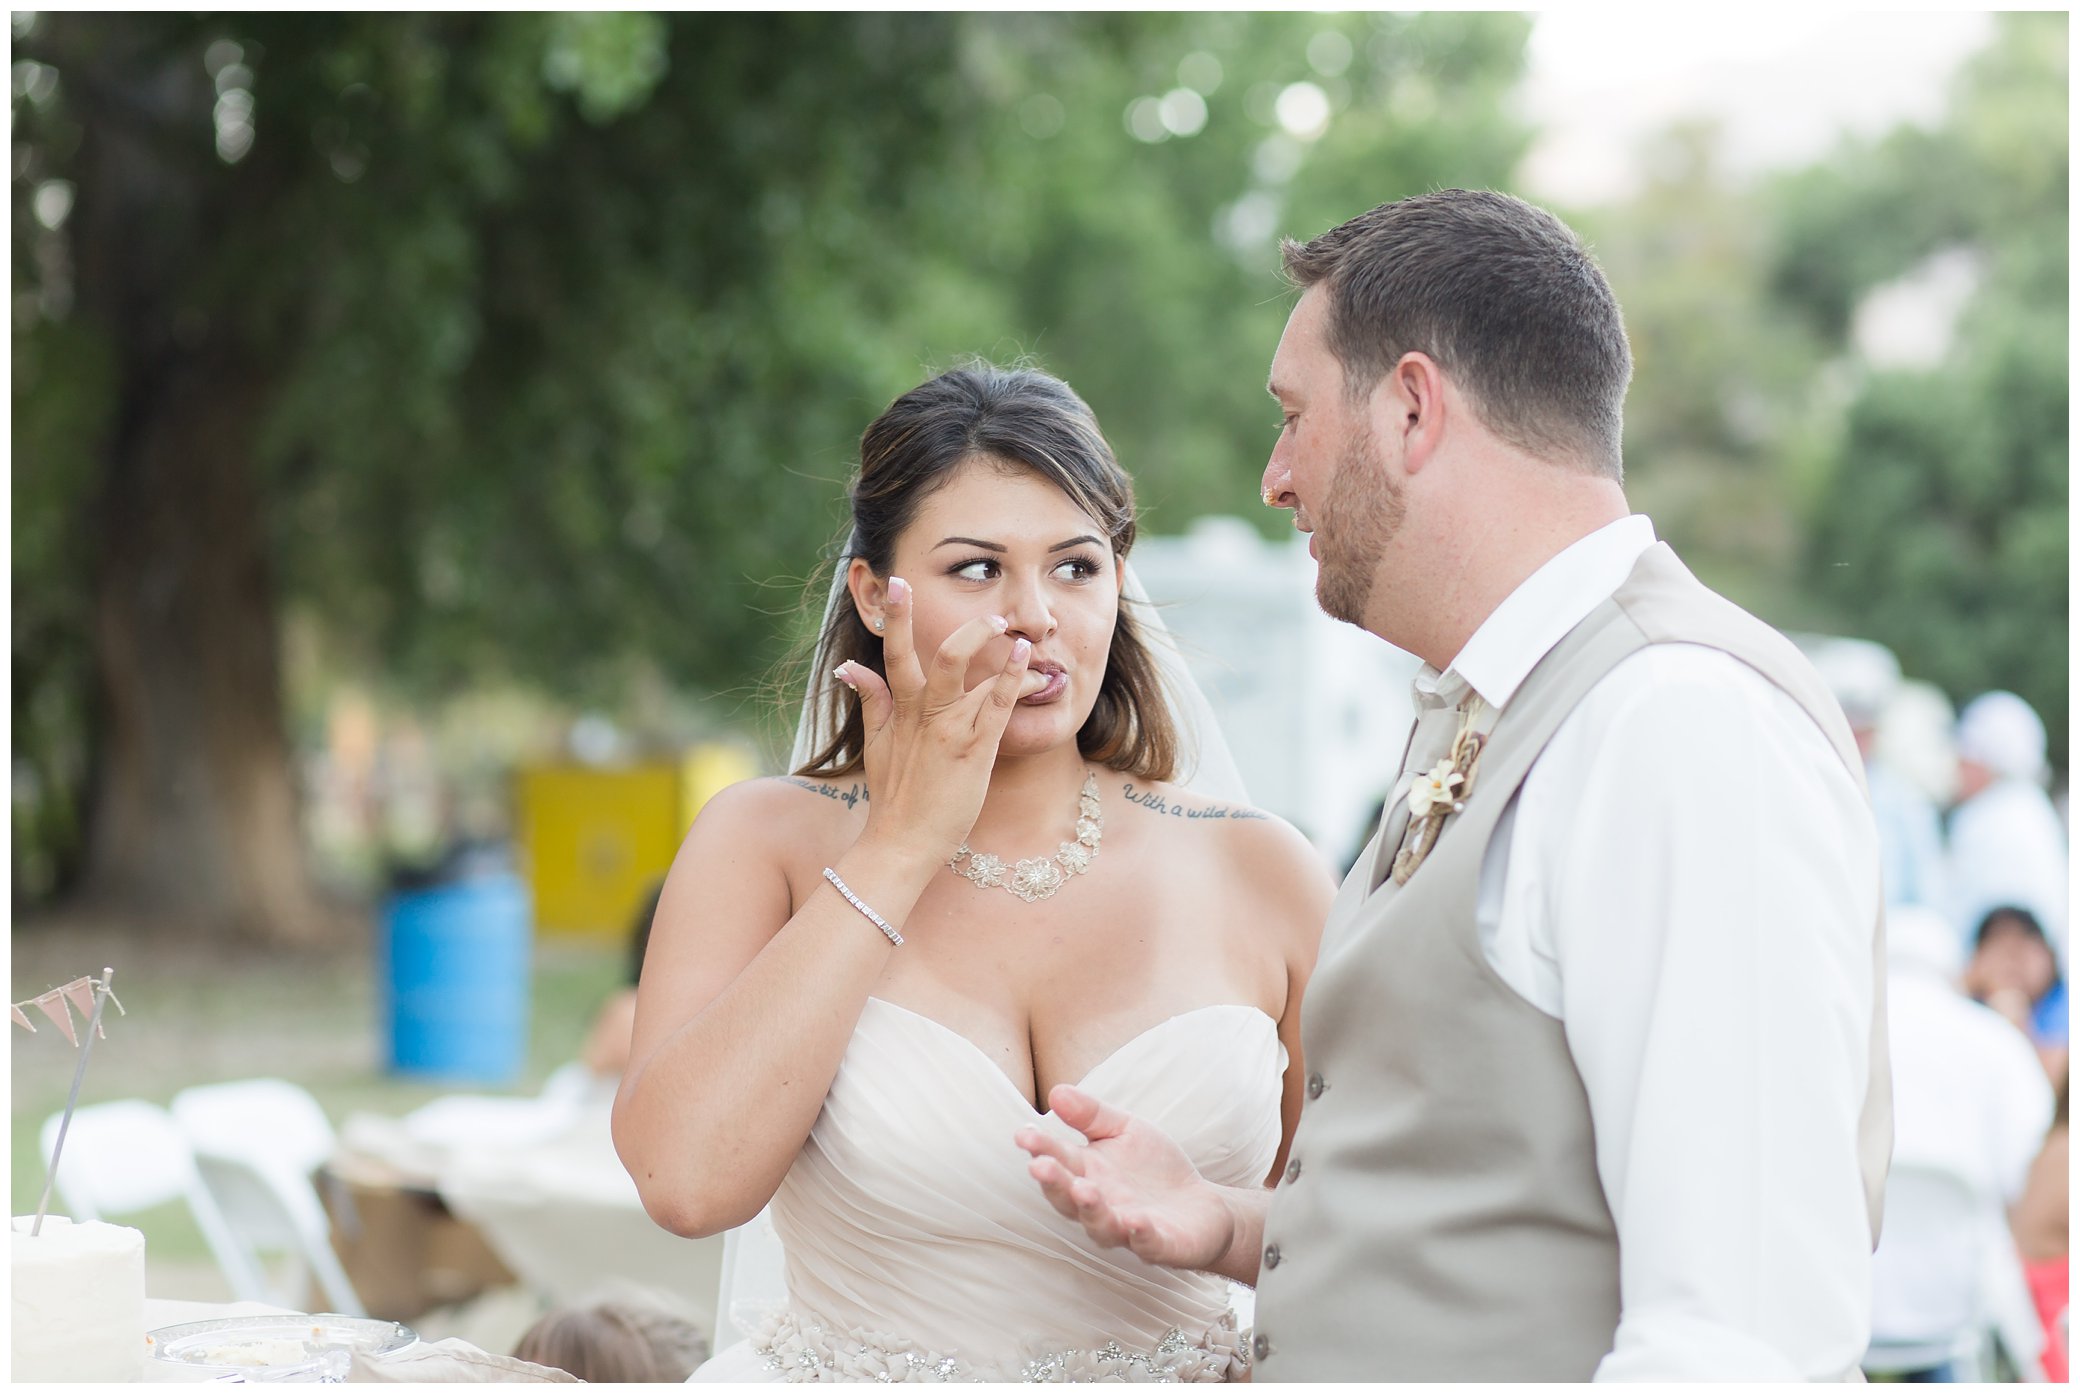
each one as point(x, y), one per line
point(1014, 419)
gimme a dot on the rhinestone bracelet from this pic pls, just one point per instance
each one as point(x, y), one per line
point(860, 905)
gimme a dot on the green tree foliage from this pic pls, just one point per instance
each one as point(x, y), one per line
point(1720, 395)
point(536, 345)
point(1939, 524)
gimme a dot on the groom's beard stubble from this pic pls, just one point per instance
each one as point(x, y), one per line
point(1357, 523)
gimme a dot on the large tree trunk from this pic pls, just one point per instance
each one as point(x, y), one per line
point(195, 816)
point(195, 821)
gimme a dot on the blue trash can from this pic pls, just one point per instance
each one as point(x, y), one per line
point(455, 981)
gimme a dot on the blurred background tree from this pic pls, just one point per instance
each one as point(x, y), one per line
point(530, 349)
point(453, 355)
point(1721, 376)
point(1937, 507)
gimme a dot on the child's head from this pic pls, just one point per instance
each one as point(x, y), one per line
point(2010, 953)
point(615, 1342)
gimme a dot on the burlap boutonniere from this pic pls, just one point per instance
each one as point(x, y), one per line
point(1436, 795)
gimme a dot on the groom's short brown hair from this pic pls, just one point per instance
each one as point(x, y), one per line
point(1501, 295)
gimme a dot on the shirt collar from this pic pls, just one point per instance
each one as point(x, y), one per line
point(1537, 615)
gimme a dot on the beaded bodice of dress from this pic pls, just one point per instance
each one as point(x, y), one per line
point(909, 1210)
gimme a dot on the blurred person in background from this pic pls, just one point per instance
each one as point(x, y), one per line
point(2042, 1220)
point(615, 1343)
point(1918, 738)
point(605, 1051)
point(1865, 678)
point(1969, 1103)
point(2007, 845)
point(2012, 970)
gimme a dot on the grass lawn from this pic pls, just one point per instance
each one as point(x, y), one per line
point(202, 1013)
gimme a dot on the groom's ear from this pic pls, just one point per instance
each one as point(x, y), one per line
point(1409, 406)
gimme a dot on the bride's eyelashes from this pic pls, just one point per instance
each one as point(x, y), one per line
point(1078, 568)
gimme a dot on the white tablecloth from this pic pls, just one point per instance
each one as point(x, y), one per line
point(540, 1181)
point(565, 1217)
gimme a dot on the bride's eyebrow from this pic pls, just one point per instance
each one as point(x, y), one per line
point(1000, 547)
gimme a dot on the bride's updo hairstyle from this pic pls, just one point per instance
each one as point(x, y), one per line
point(1016, 420)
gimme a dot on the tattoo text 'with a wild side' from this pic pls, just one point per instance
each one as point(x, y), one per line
point(1156, 803)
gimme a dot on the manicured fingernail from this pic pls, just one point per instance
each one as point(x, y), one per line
point(843, 673)
point(898, 590)
point(1021, 650)
point(999, 623)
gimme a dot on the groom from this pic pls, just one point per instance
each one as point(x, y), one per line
point(1597, 1070)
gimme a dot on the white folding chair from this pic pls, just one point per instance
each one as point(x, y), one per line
point(257, 1143)
point(129, 1155)
point(1932, 1302)
point(2011, 1313)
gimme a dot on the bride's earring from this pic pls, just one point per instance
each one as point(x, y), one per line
point(879, 624)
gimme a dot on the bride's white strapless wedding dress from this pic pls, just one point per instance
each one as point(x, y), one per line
point(917, 1247)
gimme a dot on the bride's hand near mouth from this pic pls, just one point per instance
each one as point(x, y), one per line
point(931, 742)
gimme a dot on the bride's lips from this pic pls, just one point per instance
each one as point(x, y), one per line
point(1055, 683)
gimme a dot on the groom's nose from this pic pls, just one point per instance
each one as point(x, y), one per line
point(1277, 484)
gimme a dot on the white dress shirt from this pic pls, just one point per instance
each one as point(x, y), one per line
point(1698, 914)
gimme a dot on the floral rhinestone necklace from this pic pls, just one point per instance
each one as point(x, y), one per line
point(1037, 878)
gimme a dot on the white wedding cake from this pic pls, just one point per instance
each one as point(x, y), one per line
point(78, 1301)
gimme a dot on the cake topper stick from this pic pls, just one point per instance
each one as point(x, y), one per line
point(79, 1074)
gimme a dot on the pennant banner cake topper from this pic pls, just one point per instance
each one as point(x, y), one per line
point(57, 1003)
point(91, 996)
point(53, 1006)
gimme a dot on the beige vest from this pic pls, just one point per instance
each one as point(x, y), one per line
point(1441, 1216)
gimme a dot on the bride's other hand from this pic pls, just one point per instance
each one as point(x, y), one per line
point(930, 741)
point(1130, 1186)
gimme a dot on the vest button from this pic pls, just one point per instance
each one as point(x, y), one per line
point(1271, 1256)
point(1292, 1171)
point(1315, 1085)
point(1260, 1345)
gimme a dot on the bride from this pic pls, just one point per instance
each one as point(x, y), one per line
point(986, 879)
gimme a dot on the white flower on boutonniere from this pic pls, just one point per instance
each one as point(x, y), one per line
point(1435, 789)
point(1437, 795)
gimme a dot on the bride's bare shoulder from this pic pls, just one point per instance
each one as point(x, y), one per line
point(1258, 853)
point(1233, 829)
point(1180, 807)
point(779, 809)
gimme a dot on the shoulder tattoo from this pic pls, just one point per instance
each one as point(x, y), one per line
point(1156, 803)
point(849, 796)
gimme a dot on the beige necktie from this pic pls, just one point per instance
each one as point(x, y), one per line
point(1435, 728)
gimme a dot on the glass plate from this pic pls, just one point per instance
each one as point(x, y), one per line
point(283, 1347)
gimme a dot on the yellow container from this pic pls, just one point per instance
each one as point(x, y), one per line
point(598, 839)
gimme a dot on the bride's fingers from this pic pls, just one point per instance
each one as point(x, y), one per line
point(1085, 1114)
point(1041, 1145)
point(1054, 1184)
point(1143, 1239)
point(898, 645)
point(875, 703)
point(1097, 1216)
point(996, 700)
point(947, 682)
